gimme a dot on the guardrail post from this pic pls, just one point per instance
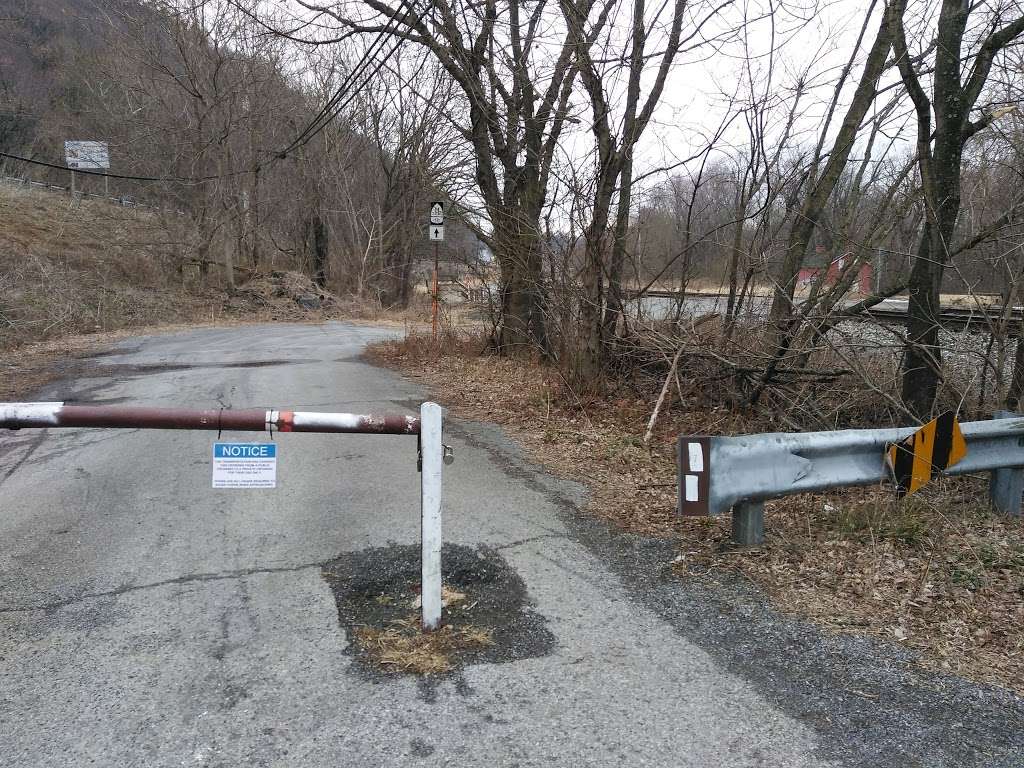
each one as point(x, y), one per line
point(748, 523)
point(1006, 486)
point(432, 457)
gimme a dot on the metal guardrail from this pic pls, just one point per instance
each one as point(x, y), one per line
point(977, 319)
point(719, 474)
point(432, 454)
point(125, 201)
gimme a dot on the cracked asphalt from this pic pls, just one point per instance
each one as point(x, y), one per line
point(147, 620)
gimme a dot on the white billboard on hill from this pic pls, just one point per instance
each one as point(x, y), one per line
point(88, 155)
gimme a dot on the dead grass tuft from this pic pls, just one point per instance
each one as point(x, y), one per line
point(404, 647)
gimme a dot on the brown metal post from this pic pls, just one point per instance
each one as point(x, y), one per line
point(434, 306)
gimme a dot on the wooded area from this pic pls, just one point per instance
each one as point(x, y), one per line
point(592, 153)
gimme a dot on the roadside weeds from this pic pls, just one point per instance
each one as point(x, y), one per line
point(938, 573)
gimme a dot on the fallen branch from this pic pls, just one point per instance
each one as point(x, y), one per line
point(661, 397)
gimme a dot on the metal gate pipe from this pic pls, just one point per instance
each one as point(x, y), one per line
point(44, 415)
point(428, 427)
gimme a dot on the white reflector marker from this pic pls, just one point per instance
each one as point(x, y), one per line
point(696, 457)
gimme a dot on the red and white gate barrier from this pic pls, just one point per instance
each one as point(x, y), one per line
point(428, 428)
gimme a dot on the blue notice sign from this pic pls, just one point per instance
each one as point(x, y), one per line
point(244, 465)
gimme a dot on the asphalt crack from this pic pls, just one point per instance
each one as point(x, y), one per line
point(530, 540)
point(188, 579)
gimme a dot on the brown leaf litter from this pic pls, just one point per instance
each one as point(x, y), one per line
point(939, 573)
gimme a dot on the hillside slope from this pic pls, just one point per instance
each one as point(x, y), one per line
point(89, 266)
point(70, 267)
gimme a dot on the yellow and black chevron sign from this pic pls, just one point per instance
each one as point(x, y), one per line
point(937, 445)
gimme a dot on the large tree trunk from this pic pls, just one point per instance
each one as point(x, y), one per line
point(518, 246)
point(590, 346)
point(921, 359)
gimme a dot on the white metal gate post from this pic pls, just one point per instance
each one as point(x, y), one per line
point(432, 457)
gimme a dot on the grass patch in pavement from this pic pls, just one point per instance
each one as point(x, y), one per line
point(487, 615)
point(404, 647)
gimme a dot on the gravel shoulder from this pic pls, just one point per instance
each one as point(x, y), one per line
point(871, 701)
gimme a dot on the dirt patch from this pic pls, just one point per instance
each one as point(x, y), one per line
point(486, 619)
point(939, 574)
point(283, 295)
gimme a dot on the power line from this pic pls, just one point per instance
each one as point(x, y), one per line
point(334, 105)
point(57, 166)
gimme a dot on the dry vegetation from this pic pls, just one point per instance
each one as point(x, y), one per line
point(938, 573)
point(405, 647)
point(71, 267)
point(78, 274)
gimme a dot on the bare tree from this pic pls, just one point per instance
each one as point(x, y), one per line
point(615, 144)
point(944, 126)
point(516, 77)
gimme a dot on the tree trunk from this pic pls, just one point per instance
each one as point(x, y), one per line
point(921, 357)
point(229, 263)
point(588, 363)
point(518, 250)
point(614, 309)
point(732, 306)
point(1015, 393)
point(319, 252)
point(922, 360)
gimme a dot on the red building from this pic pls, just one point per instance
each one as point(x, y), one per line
point(862, 283)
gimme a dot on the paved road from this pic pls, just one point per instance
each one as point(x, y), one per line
point(146, 620)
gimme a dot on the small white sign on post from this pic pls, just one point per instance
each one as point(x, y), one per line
point(87, 155)
point(244, 465)
point(437, 232)
point(437, 213)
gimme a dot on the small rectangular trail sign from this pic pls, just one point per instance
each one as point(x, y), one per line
point(936, 446)
point(244, 465)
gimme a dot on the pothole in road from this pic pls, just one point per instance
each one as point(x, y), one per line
point(487, 616)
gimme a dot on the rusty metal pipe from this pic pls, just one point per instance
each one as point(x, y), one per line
point(42, 415)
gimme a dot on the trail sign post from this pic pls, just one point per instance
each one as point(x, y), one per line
point(435, 232)
point(87, 155)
